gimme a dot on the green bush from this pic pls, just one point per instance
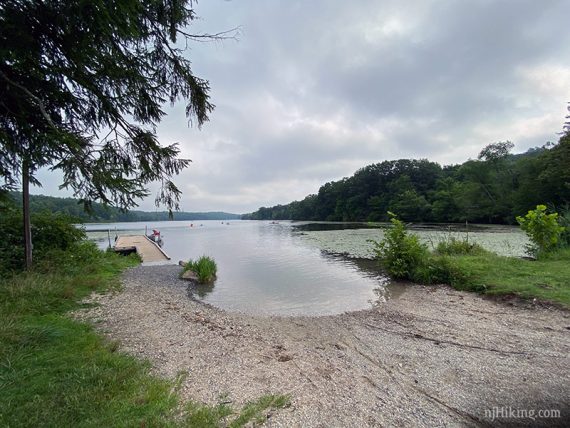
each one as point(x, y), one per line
point(205, 269)
point(50, 232)
point(564, 220)
point(440, 270)
point(457, 247)
point(542, 229)
point(404, 257)
point(399, 252)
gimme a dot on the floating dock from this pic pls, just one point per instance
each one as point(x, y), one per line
point(148, 250)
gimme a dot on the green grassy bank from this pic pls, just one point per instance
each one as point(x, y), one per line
point(546, 279)
point(467, 266)
point(55, 371)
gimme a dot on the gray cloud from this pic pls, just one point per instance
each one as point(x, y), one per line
point(313, 91)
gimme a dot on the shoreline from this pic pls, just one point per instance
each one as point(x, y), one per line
point(432, 356)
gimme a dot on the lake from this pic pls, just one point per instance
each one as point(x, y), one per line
point(295, 268)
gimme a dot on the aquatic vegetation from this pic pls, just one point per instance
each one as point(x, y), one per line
point(205, 269)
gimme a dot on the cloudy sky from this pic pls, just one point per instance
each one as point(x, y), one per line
point(312, 91)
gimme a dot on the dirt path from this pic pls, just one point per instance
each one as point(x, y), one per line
point(431, 357)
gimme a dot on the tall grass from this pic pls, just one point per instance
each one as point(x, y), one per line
point(458, 247)
point(205, 269)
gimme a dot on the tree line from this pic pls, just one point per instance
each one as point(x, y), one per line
point(494, 188)
point(101, 213)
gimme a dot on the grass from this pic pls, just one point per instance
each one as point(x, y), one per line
point(547, 279)
point(55, 371)
point(455, 246)
point(252, 413)
point(205, 269)
point(468, 266)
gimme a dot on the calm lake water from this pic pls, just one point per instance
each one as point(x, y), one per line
point(298, 268)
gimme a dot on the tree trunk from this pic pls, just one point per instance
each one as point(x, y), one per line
point(26, 210)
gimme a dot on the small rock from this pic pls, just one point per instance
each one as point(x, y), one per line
point(182, 263)
point(190, 276)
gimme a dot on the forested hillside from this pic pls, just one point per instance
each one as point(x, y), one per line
point(102, 213)
point(492, 189)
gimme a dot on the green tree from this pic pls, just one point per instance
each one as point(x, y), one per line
point(444, 201)
point(407, 202)
point(543, 230)
point(488, 185)
point(496, 152)
point(82, 85)
point(492, 189)
point(555, 177)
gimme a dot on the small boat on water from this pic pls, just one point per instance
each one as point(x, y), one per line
point(155, 237)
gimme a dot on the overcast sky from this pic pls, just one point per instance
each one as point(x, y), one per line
point(312, 91)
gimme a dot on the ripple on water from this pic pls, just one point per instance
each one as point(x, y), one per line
point(268, 268)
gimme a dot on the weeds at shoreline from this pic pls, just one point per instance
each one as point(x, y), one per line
point(469, 267)
point(205, 269)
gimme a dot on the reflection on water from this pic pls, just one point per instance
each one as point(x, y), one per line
point(267, 268)
point(202, 290)
point(283, 268)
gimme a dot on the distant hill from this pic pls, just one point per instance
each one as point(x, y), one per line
point(492, 189)
point(102, 213)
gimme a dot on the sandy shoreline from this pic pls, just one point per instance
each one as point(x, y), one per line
point(431, 357)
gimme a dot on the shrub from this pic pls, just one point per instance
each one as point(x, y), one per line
point(458, 247)
point(399, 252)
point(205, 269)
point(440, 270)
point(542, 229)
point(404, 257)
point(50, 232)
point(564, 220)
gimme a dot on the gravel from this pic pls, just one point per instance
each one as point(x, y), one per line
point(433, 356)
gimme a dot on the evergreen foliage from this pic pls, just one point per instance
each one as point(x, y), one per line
point(83, 88)
point(51, 233)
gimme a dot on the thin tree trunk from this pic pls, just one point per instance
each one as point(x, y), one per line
point(26, 210)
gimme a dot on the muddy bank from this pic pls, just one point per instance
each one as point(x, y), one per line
point(431, 357)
